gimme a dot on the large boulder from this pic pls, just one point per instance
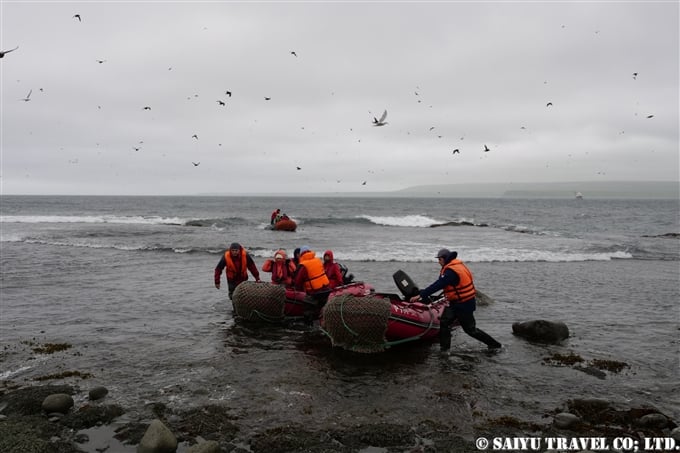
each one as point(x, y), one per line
point(157, 439)
point(541, 331)
point(482, 299)
point(98, 393)
point(57, 402)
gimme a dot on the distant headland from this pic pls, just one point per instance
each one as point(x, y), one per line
point(587, 189)
point(667, 190)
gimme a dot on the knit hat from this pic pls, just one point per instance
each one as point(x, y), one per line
point(303, 249)
point(280, 254)
point(235, 246)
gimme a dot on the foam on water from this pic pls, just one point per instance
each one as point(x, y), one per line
point(141, 220)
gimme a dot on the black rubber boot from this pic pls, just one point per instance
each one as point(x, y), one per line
point(487, 339)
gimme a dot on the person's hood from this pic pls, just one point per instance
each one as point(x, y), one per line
point(329, 253)
point(451, 256)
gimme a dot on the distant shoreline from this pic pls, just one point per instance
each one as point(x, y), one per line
point(662, 190)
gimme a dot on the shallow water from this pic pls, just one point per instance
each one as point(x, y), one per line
point(149, 325)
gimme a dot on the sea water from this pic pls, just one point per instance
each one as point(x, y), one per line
point(127, 283)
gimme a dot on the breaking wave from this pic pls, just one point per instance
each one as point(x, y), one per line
point(130, 220)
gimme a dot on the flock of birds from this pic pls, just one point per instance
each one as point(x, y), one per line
point(377, 122)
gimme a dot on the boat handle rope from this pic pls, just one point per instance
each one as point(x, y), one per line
point(266, 318)
point(415, 337)
point(387, 344)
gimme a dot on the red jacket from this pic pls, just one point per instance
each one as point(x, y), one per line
point(332, 270)
point(282, 271)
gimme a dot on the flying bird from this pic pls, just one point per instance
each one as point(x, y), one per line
point(136, 148)
point(363, 183)
point(101, 61)
point(299, 168)
point(221, 102)
point(650, 116)
point(77, 16)
point(381, 121)
point(486, 149)
point(549, 104)
point(196, 164)
point(228, 93)
point(28, 97)
point(267, 99)
point(3, 52)
point(147, 108)
point(635, 75)
point(195, 136)
point(456, 151)
point(292, 52)
point(432, 128)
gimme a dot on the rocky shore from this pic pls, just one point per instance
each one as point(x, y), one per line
point(44, 419)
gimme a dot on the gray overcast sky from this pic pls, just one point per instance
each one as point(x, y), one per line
point(451, 75)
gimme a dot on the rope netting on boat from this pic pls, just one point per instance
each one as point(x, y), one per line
point(357, 323)
point(259, 301)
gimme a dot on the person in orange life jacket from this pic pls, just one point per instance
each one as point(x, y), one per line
point(332, 270)
point(457, 282)
point(281, 267)
point(274, 215)
point(310, 276)
point(236, 263)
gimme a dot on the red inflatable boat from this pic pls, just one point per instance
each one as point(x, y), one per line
point(285, 225)
point(273, 303)
point(375, 322)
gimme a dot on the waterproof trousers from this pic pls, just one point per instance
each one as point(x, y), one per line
point(466, 319)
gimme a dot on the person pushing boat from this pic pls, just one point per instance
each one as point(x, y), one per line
point(457, 282)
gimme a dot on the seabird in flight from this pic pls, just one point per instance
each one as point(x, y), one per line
point(3, 52)
point(381, 121)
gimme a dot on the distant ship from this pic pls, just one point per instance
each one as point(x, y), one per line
point(579, 196)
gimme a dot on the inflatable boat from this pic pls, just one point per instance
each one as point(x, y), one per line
point(375, 322)
point(285, 225)
point(261, 301)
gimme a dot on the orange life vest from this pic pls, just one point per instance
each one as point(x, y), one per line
point(465, 290)
point(282, 270)
point(316, 277)
point(236, 274)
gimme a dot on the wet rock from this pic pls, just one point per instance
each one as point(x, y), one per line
point(98, 393)
point(157, 439)
point(482, 299)
point(28, 401)
point(590, 404)
point(653, 421)
point(675, 434)
point(57, 402)
point(565, 420)
point(209, 446)
point(541, 331)
point(592, 371)
point(89, 416)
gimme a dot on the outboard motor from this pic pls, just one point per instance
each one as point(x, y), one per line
point(405, 284)
point(346, 278)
